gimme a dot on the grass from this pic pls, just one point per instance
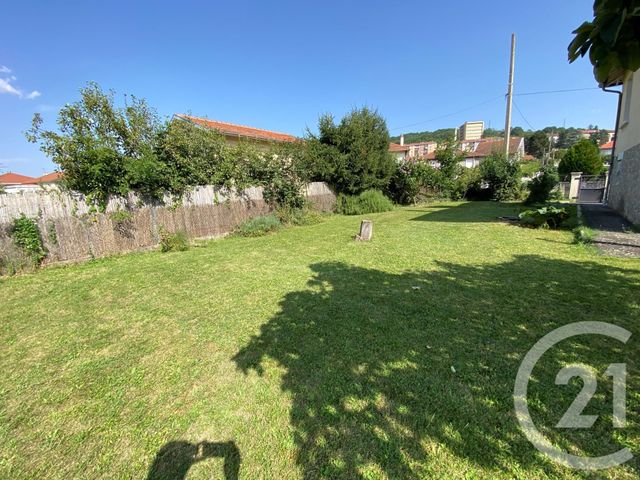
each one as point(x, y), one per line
point(305, 354)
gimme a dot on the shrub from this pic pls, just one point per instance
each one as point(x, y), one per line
point(467, 184)
point(542, 186)
point(502, 177)
point(26, 235)
point(173, 242)
point(545, 217)
point(371, 201)
point(298, 216)
point(583, 157)
point(258, 226)
point(583, 235)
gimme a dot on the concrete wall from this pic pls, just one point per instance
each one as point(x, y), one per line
point(72, 232)
point(624, 184)
point(624, 189)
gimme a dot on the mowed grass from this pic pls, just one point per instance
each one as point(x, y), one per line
point(305, 354)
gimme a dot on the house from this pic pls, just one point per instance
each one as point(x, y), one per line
point(624, 178)
point(590, 131)
point(400, 152)
point(606, 149)
point(16, 183)
point(234, 133)
point(471, 131)
point(475, 151)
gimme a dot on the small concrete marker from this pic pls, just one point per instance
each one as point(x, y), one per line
point(366, 231)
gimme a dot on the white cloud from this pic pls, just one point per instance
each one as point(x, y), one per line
point(7, 85)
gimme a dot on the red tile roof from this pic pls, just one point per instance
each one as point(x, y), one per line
point(16, 179)
point(608, 145)
point(49, 177)
point(239, 130)
point(396, 147)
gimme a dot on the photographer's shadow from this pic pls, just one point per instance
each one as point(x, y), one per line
point(174, 459)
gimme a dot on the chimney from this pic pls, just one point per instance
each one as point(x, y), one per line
point(401, 139)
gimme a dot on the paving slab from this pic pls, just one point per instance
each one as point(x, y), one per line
point(614, 234)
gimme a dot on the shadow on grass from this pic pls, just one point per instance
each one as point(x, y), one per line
point(469, 212)
point(174, 459)
point(368, 360)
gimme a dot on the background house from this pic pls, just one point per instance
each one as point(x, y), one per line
point(234, 133)
point(16, 183)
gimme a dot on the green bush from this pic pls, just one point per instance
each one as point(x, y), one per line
point(370, 201)
point(258, 226)
point(545, 217)
point(583, 235)
point(26, 235)
point(541, 187)
point(502, 177)
point(298, 216)
point(173, 242)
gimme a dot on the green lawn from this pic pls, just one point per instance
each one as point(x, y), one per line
point(305, 354)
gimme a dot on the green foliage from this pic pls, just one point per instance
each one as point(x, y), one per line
point(468, 184)
point(410, 181)
point(542, 186)
point(530, 168)
point(173, 242)
point(537, 144)
point(2, 189)
point(583, 157)
point(502, 177)
point(298, 216)
point(369, 201)
point(599, 137)
point(583, 235)
point(26, 235)
point(568, 137)
point(544, 217)
point(611, 39)
point(353, 156)
point(442, 135)
point(258, 226)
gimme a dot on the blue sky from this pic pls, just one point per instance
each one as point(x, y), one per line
point(279, 64)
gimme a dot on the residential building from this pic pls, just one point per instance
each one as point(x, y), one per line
point(400, 152)
point(624, 177)
point(607, 148)
point(588, 132)
point(471, 131)
point(418, 150)
point(234, 133)
point(16, 183)
point(475, 151)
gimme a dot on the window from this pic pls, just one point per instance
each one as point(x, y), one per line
point(628, 93)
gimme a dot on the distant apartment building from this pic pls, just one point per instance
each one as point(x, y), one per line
point(470, 131)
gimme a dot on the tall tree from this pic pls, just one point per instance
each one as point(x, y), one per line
point(582, 157)
point(354, 154)
point(537, 144)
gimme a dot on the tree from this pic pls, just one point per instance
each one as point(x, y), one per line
point(542, 186)
point(583, 157)
point(611, 39)
point(502, 177)
point(537, 144)
point(568, 137)
point(599, 137)
point(99, 146)
point(353, 156)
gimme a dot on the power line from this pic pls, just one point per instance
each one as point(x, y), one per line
point(449, 114)
point(556, 91)
point(522, 115)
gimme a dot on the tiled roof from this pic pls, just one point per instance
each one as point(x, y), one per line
point(238, 130)
point(608, 145)
point(16, 179)
point(49, 177)
point(396, 147)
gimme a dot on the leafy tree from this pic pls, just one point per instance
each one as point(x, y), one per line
point(582, 157)
point(568, 137)
point(440, 135)
point(100, 146)
point(492, 132)
point(518, 132)
point(353, 155)
point(611, 38)
point(502, 177)
point(537, 144)
point(599, 137)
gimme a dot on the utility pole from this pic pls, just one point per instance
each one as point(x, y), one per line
point(507, 123)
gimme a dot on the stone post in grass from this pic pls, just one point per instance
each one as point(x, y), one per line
point(366, 231)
